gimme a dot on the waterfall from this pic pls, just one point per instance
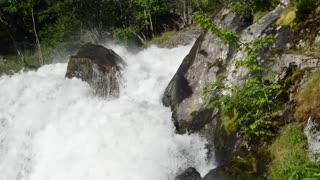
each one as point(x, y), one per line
point(54, 128)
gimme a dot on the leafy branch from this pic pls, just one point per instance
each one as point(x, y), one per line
point(247, 107)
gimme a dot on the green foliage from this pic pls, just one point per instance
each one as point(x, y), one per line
point(121, 35)
point(154, 6)
point(227, 36)
point(246, 107)
point(290, 158)
point(296, 16)
point(159, 39)
point(10, 66)
point(304, 8)
point(258, 15)
point(287, 18)
point(249, 7)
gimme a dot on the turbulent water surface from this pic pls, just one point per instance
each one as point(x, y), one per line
point(52, 128)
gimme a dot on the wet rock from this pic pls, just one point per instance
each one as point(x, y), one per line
point(227, 173)
point(208, 59)
point(189, 174)
point(200, 67)
point(99, 67)
point(245, 165)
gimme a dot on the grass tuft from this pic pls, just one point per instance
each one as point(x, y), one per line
point(289, 154)
point(308, 104)
point(159, 39)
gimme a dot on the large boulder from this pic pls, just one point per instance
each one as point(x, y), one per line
point(99, 67)
point(202, 66)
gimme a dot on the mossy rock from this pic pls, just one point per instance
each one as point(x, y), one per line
point(245, 165)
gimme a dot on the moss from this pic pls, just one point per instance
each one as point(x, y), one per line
point(296, 77)
point(318, 10)
point(314, 51)
point(259, 15)
point(287, 18)
point(277, 52)
point(247, 164)
point(10, 66)
point(159, 39)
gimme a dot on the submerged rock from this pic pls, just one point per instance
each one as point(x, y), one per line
point(99, 67)
point(189, 174)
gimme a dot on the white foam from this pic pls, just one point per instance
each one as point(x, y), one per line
point(52, 128)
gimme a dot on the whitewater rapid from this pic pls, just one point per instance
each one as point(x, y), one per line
point(53, 128)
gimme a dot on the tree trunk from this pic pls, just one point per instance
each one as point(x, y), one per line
point(189, 12)
point(199, 6)
point(151, 26)
point(184, 14)
point(37, 38)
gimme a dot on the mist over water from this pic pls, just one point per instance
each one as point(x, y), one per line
point(53, 128)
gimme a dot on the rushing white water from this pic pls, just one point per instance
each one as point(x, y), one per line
point(52, 128)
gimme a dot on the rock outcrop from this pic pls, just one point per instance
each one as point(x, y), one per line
point(189, 174)
point(99, 67)
point(200, 67)
point(184, 93)
point(208, 58)
point(182, 38)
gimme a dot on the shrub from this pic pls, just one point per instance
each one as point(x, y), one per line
point(305, 7)
point(249, 7)
point(248, 107)
point(299, 14)
point(121, 35)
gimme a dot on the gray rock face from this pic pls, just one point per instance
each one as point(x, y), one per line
point(189, 174)
point(301, 61)
point(183, 37)
point(209, 58)
point(98, 66)
point(259, 29)
point(200, 67)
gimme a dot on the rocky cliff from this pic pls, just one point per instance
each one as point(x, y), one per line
point(210, 57)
